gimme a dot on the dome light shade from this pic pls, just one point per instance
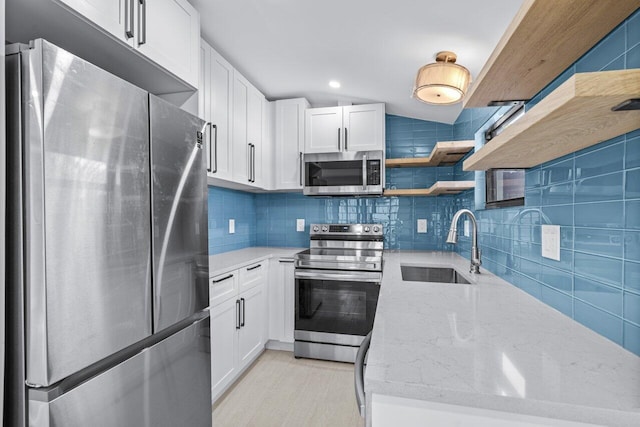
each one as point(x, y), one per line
point(443, 82)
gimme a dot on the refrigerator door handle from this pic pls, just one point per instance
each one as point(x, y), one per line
point(238, 325)
point(208, 146)
point(242, 307)
point(142, 22)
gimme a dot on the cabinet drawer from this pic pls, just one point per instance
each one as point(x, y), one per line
point(252, 275)
point(223, 287)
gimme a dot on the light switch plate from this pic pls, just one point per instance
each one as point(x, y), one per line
point(467, 228)
point(300, 224)
point(422, 226)
point(232, 226)
point(551, 242)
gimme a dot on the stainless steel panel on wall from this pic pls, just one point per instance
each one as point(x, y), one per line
point(168, 384)
point(87, 213)
point(179, 206)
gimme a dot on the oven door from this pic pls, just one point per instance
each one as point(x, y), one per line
point(335, 307)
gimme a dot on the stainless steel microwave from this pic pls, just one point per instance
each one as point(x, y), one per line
point(356, 173)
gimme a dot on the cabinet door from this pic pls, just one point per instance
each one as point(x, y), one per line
point(240, 153)
point(221, 87)
point(364, 127)
point(323, 130)
point(255, 104)
point(169, 35)
point(224, 345)
point(251, 337)
point(110, 15)
point(289, 143)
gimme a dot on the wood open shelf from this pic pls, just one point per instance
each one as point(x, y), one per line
point(440, 187)
point(544, 38)
point(445, 153)
point(574, 116)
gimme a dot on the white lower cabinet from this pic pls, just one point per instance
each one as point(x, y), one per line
point(281, 302)
point(238, 318)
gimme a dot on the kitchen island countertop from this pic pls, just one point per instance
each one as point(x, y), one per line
point(490, 345)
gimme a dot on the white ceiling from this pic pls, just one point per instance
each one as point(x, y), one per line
point(293, 48)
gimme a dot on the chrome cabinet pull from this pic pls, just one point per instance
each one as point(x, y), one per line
point(242, 308)
point(345, 139)
point(249, 163)
point(338, 139)
point(214, 129)
point(142, 22)
point(128, 18)
point(238, 314)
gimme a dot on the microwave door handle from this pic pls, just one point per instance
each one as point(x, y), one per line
point(301, 168)
point(364, 171)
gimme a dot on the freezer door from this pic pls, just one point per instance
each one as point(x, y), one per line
point(167, 384)
point(179, 205)
point(87, 210)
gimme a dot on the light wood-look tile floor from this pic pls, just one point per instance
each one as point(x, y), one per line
point(280, 390)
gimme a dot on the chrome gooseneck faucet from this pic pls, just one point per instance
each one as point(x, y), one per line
point(453, 238)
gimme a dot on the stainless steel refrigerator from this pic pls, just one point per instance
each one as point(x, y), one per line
point(107, 261)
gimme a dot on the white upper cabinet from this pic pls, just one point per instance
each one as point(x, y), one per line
point(350, 128)
point(247, 132)
point(289, 143)
point(114, 16)
point(215, 92)
point(363, 127)
point(168, 33)
point(323, 130)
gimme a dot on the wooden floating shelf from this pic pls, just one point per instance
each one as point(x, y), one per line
point(544, 38)
point(574, 116)
point(440, 187)
point(445, 153)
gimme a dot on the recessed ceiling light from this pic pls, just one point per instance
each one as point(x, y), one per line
point(334, 84)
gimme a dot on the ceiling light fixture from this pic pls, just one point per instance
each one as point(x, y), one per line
point(334, 84)
point(443, 82)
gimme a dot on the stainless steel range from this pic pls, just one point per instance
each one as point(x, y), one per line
point(337, 286)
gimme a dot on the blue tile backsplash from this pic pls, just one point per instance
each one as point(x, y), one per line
point(594, 195)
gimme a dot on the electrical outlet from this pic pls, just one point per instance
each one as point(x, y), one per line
point(232, 226)
point(467, 228)
point(300, 224)
point(422, 226)
point(551, 241)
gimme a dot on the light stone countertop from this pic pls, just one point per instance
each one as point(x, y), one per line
point(228, 261)
point(490, 345)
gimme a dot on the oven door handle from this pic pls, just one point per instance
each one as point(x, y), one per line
point(351, 277)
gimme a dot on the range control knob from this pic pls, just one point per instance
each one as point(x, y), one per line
point(367, 229)
point(325, 228)
point(376, 228)
point(315, 228)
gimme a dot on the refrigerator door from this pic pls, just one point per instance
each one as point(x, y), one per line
point(179, 206)
point(87, 232)
point(167, 384)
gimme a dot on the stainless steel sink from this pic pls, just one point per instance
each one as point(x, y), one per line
point(431, 274)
